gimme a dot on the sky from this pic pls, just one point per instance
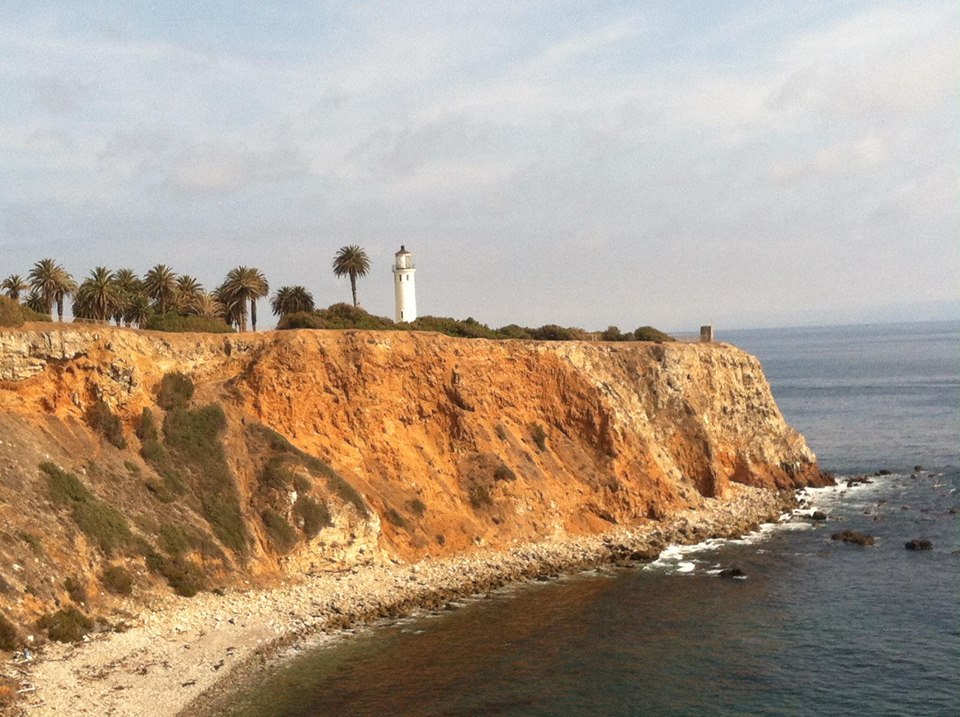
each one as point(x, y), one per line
point(676, 163)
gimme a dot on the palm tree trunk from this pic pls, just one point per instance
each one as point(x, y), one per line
point(253, 312)
point(353, 288)
point(243, 319)
point(60, 309)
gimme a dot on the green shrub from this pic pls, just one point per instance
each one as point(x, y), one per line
point(282, 535)
point(101, 419)
point(176, 390)
point(184, 576)
point(480, 496)
point(552, 332)
point(173, 539)
point(132, 467)
point(194, 439)
point(613, 333)
point(64, 487)
point(539, 436)
point(302, 484)
point(147, 428)
point(393, 516)
point(36, 545)
point(338, 316)
point(76, 590)
point(9, 637)
point(469, 328)
point(648, 333)
point(317, 467)
point(277, 474)
point(417, 506)
point(104, 524)
point(178, 323)
point(99, 521)
point(117, 580)
point(14, 314)
point(512, 331)
point(66, 625)
point(315, 515)
point(503, 472)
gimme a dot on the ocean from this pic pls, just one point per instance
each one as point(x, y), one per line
point(816, 627)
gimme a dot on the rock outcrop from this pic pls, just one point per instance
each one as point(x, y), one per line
point(338, 447)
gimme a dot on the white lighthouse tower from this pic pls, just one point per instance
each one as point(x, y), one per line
point(404, 291)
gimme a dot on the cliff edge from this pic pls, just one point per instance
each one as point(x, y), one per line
point(201, 461)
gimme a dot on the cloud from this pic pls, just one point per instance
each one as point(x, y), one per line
point(616, 161)
point(221, 168)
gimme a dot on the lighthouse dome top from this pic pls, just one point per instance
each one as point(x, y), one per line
point(403, 250)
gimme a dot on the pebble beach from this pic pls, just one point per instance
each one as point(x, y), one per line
point(176, 657)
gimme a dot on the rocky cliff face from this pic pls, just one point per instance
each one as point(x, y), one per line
point(311, 450)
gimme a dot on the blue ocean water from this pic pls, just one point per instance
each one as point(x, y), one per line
point(816, 628)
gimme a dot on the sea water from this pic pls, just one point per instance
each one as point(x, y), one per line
point(816, 627)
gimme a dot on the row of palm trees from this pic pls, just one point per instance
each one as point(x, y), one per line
point(128, 299)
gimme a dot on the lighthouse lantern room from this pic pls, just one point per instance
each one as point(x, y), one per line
point(405, 294)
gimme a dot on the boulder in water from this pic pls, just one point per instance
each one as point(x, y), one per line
point(732, 573)
point(852, 536)
point(918, 544)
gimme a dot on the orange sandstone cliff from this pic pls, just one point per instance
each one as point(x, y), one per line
point(205, 461)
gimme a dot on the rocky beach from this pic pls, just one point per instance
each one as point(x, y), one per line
point(175, 657)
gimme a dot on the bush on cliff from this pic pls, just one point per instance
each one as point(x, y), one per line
point(273, 441)
point(469, 328)
point(315, 515)
point(14, 314)
point(101, 419)
point(282, 536)
point(184, 576)
point(9, 637)
point(179, 323)
point(176, 390)
point(648, 333)
point(118, 580)
point(338, 316)
point(66, 625)
point(98, 521)
point(552, 332)
point(194, 440)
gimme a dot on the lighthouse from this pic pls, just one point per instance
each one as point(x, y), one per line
point(404, 291)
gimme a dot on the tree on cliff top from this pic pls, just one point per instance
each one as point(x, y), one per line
point(291, 299)
point(351, 261)
point(52, 283)
point(13, 286)
point(243, 284)
point(160, 284)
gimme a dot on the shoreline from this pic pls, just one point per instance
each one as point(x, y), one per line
point(180, 658)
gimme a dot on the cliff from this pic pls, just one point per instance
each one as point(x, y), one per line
point(206, 461)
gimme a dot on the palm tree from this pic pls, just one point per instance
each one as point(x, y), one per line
point(13, 286)
point(53, 283)
point(242, 284)
point(351, 261)
point(187, 291)
point(98, 296)
point(208, 305)
point(160, 284)
point(129, 286)
point(137, 310)
point(291, 299)
point(233, 307)
point(36, 302)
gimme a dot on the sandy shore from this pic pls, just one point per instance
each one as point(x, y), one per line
point(176, 658)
